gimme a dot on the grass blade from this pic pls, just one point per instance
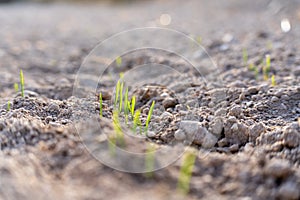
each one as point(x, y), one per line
point(186, 170)
point(117, 94)
point(273, 81)
point(121, 97)
point(149, 115)
point(22, 83)
point(119, 61)
point(8, 106)
point(132, 105)
point(16, 87)
point(136, 120)
point(245, 56)
point(118, 129)
point(101, 104)
point(126, 105)
point(150, 160)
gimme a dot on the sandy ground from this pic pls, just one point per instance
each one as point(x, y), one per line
point(246, 128)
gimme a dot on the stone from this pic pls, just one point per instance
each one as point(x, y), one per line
point(291, 135)
point(169, 102)
point(235, 127)
point(274, 99)
point(255, 131)
point(234, 148)
point(216, 127)
point(278, 168)
point(28, 93)
point(236, 133)
point(223, 142)
point(236, 111)
point(221, 112)
point(285, 97)
point(289, 190)
point(205, 138)
point(296, 71)
point(151, 134)
point(189, 127)
point(252, 90)
point(166, 115)
point(197, 134)
point(180, 87)
point(249, 147)
point(179, 135)
point(238, 84)
point(53, 108)
point(218, 95)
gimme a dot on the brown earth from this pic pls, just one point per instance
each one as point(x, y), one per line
point(247, 129)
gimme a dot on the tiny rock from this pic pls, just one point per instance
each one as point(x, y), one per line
point(291, 135)
point(216, 126)
point(198, 134)
point(289, 190)
point(53, 108)
point(179, 135)
point(278, 168)
point(169, 102)
point(151, 134)
point(255, 130)
point(236, 133)
point(236, 111)
point(234, 148)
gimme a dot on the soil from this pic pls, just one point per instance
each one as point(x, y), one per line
point(244, 127)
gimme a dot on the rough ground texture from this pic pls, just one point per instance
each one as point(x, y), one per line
point(249, 127)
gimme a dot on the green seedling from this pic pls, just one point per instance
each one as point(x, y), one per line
point(199, 39)
point(273, 81)
point(16, 87)
point(117, 94)
point(149, 116)
point(22, 83)
point(132, 105)
point(126, 110)
point(112, 145)
point(245, 56)
point(150, 160)
point(256, 72)
point(121, 97)
point(118, 129)
point(119, 61)
point(268, 62)
point(186, 170)
point(253, 68)
point(8, 106)
point(101, 104)
point(136, 120)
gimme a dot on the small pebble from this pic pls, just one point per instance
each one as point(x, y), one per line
point(223, 142)
point(151, 134)
point(234, 127)
point(236, 111)
point(179, 135)
point(169, 102)
point(274, 99)
point(234, 148)
point(285, 97)
point(278, 168)
point(289, 190)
